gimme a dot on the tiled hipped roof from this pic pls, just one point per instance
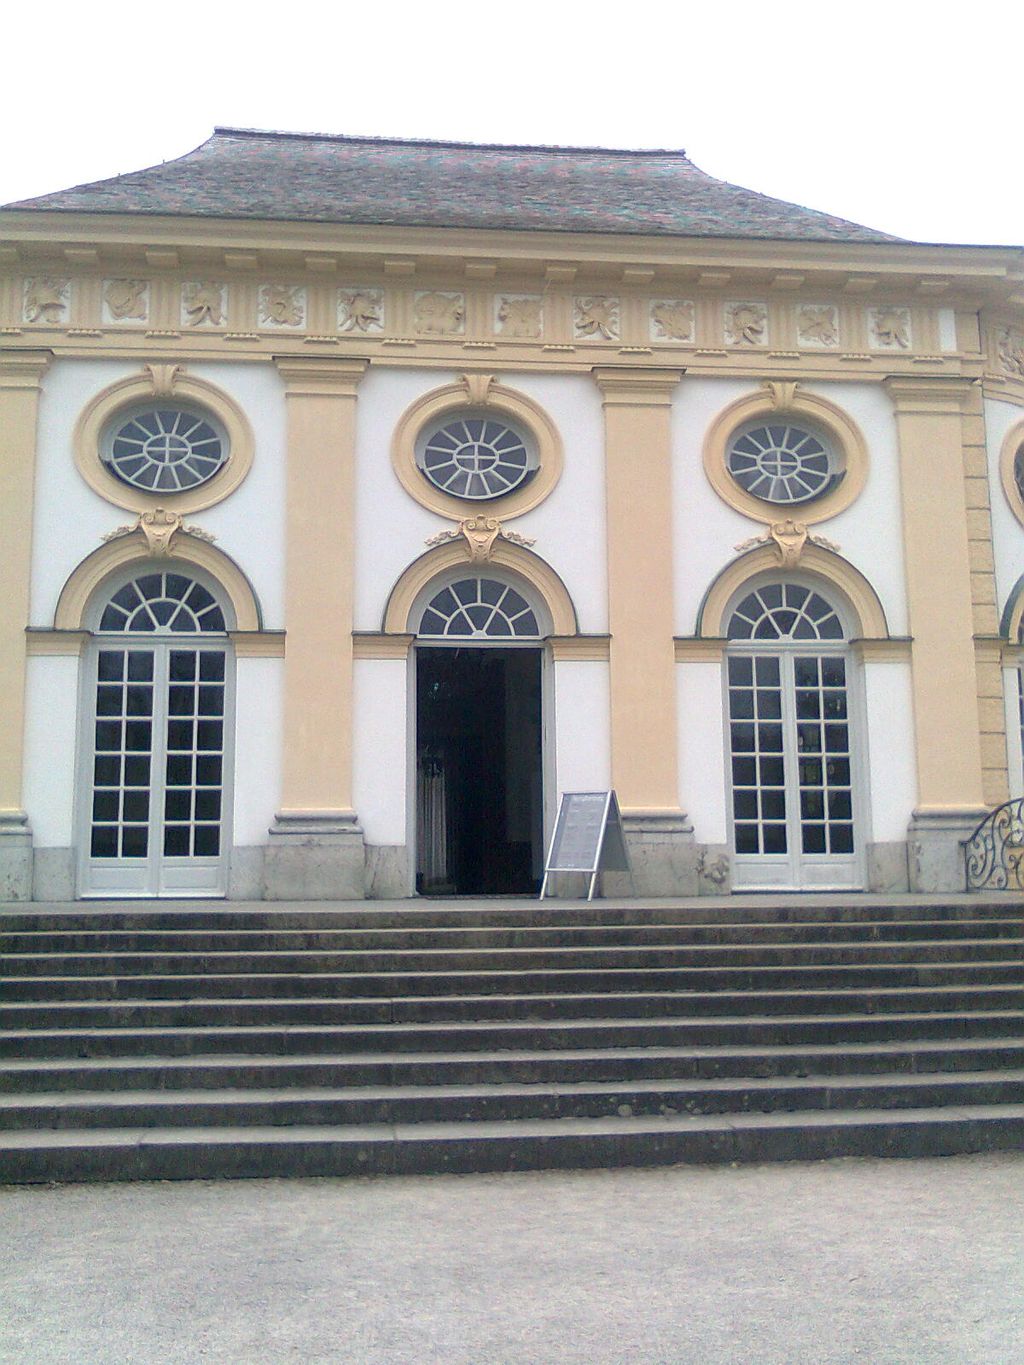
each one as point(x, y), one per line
point(240, 173)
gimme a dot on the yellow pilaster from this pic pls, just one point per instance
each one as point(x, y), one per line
point(21, 374)
point(938, 567)
point(321, 415)
point(637, 412)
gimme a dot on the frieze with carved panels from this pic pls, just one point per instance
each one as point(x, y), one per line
point(256, 309)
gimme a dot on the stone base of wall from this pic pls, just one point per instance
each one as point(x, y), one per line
point(887, 867)
point(15, 858)
point(935, 848)
point(315, 858)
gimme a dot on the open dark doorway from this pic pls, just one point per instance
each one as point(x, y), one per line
point(479, 793)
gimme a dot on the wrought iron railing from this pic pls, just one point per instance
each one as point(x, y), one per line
point(994, 853)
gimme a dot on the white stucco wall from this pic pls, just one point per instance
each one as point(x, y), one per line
point(703, 749)
point(1007, 532)
point(869, 534)
point(51, 747)
point(381, 767)
point(71, 520)
point(891, 765)
point(257, 775)
point(581, 727)
point(568, 526)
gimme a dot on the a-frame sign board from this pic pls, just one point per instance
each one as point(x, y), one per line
point(588, 838)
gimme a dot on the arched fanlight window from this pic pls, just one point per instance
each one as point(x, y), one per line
point(785, 611)
point(479, 608)
point(163, 603)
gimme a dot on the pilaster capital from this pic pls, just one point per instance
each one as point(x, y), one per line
point(322, 376)
point(929, 396)
point(634, 387)
point(23, 369)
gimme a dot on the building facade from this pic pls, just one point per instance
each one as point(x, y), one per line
point(360, 497)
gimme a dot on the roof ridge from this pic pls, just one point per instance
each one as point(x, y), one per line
point(376, 140)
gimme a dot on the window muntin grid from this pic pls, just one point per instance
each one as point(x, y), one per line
point(475, 456)
point(163, 603)
point(785, 611)
point(479, 608)
point(165, 448)
point(791, 759)
point(780, 462)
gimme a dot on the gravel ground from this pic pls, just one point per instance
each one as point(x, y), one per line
point(880, 1261)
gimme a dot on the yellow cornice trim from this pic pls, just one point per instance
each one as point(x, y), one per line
point(939, 394)
point(41, 642)
point(23, 369)
point(378, 645)
point(258, 644)
point(580, 648)
point(321, 374)
point(698, 649)
point(897, 649)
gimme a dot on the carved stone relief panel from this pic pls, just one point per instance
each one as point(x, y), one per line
point(1010, 349)
point(746, 324)
point(203, 304)
point(889, 329)
point(282, 305)
point(519, 317)
point(46, 299)
point(672, 320)
point(125, 300)
point(437, 314)
point(817, 325)
point(360, 310)
point(595, 317)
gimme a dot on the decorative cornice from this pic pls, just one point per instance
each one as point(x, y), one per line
point(380, 645)
point(624, 386)
point(699, 649)
point(914, 394)
point(580, 648)
point(895, 649)
point(23, 369)
point(322, 375)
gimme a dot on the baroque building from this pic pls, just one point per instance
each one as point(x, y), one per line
point(362, 496)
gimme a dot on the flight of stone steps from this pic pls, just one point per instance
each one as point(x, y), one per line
point(190, 1040)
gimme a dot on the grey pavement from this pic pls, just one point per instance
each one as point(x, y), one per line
point(880, 1261)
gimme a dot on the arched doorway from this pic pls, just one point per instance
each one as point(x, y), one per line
point(479, 787)
point(158, 679)
point(795, 787)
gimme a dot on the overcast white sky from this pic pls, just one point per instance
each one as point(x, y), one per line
point(901, 114)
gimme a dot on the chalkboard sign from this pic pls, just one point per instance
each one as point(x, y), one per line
point(588, 838)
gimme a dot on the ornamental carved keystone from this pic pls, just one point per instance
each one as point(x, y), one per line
point(790, 539)
point(478, 388)
point(46, 300)
point(782, 393)
point(163, 378)
point(159, 527)
point(480, 533)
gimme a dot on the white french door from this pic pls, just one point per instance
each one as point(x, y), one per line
point(793, 782)
point(156, 785)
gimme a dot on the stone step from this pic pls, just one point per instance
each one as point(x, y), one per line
point(998, 954)
point(748, 936)
point(473, 1035)
point(204, 1010)
point(270, 986)
point(522, 1144)
point(524, 1066)
point(483, 1103)
point(426, 913)
point(399, 972)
